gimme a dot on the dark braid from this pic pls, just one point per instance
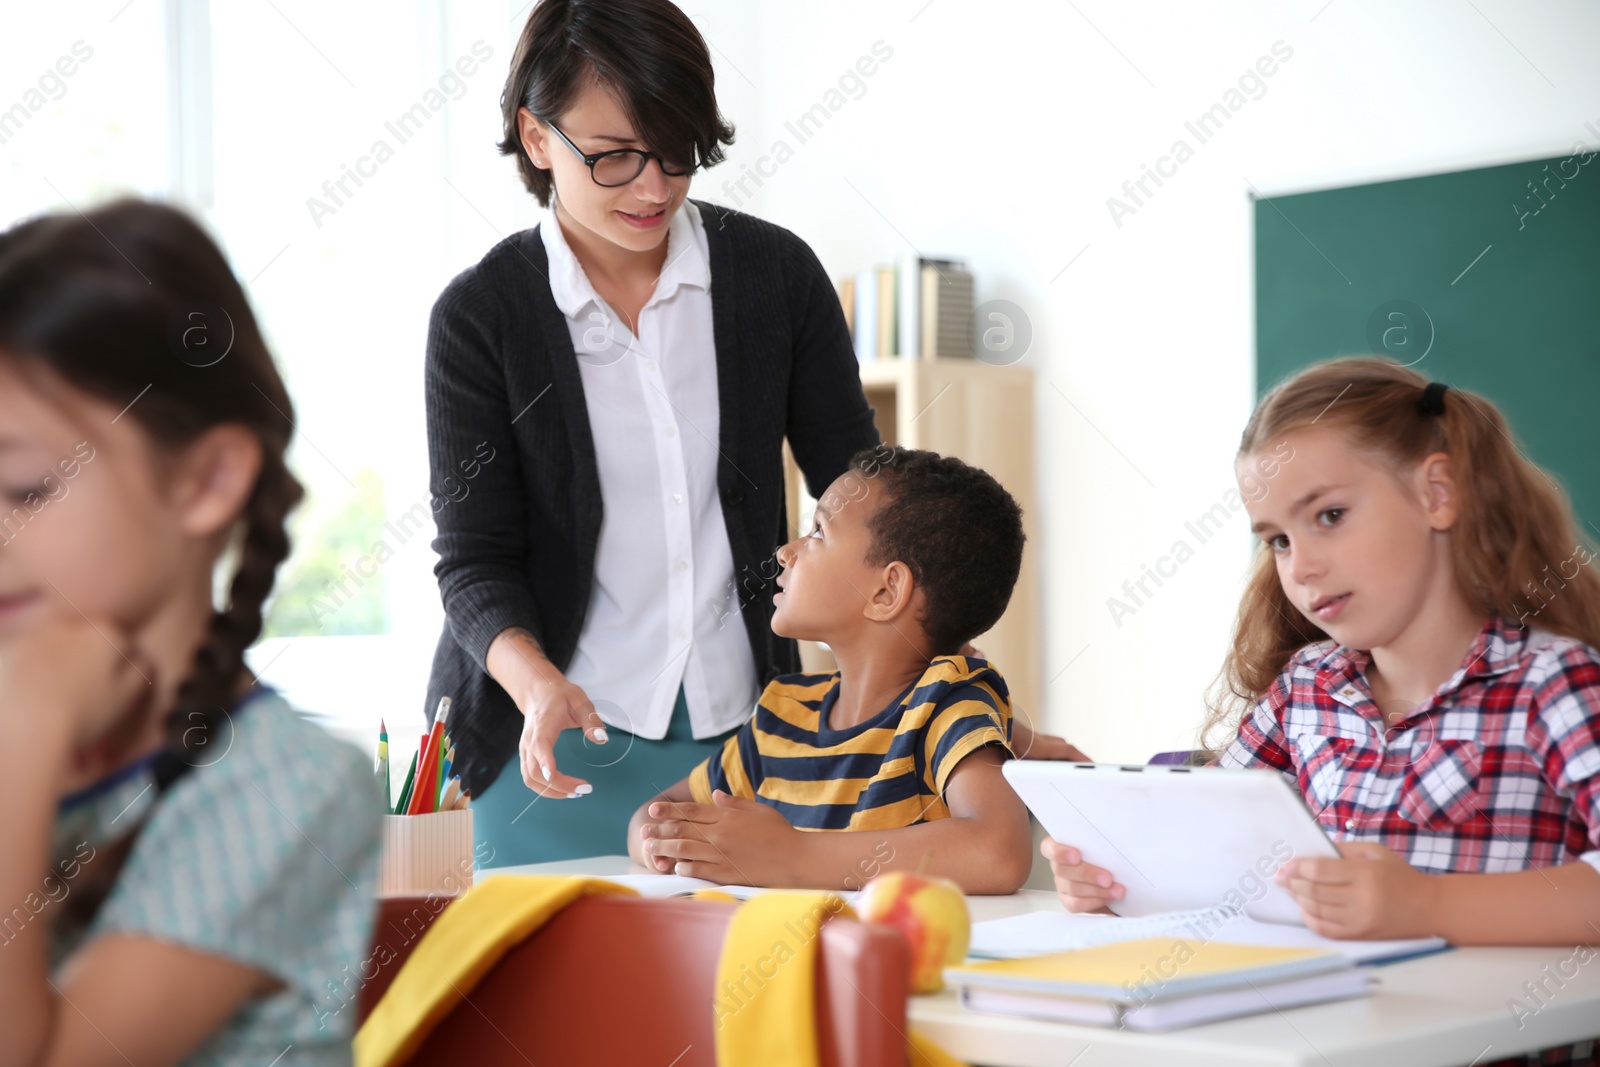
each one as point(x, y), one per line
point(198, 723)
point(110, 303)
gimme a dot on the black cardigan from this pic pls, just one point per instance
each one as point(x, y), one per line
point(512, 460)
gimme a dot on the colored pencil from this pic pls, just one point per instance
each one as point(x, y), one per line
point(405, 790)
point(425, 796)
point(438, 776)
point(383, 763)
point(420, 797)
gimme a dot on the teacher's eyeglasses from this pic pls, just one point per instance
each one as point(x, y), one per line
point(622, 165)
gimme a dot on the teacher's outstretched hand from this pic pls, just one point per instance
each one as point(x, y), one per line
point(549, 704)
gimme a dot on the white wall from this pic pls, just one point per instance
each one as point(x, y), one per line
point(997, 131)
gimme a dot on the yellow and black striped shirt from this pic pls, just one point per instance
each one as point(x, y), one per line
point(887, 772)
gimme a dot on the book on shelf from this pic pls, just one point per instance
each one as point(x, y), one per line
point(886, 313)
point(946, 312)
point(1157, 983)
point(919, 308)
point(865, 319)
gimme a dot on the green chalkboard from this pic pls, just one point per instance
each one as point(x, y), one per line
point(1486, 279)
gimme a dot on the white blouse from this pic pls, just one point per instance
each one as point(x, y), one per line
point(660, 613)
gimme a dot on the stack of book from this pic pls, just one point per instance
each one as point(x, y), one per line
point(1038, 933)
point(919, 308)
point(1157, 983)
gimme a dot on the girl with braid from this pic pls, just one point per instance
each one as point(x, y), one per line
point(189, 865)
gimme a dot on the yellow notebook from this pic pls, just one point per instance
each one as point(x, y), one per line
point(1157, 983)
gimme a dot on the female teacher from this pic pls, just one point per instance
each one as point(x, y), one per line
point(607, 399)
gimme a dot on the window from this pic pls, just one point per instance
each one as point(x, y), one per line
point(343, 156)
point(82, 106)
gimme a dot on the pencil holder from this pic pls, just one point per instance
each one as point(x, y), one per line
point(426, 855)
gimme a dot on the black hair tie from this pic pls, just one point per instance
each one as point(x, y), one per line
point(1432, 402)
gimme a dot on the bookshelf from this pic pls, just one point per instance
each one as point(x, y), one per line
point(982, 414)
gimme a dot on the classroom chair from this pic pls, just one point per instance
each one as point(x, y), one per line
point(614, 979)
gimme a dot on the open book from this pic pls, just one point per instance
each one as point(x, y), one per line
point(677, 885)
point(1041, 932)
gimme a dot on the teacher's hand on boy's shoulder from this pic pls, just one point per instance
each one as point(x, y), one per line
point(732, 840)
point(551, 704)
point(1029, 745)
point(1024, 741)
point(1082, 887)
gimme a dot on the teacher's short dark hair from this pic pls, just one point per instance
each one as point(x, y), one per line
point(647, 52)
point(957, 530)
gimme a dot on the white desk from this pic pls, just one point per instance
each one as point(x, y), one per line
point(1445, 1010)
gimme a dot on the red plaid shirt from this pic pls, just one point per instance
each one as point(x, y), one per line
point(1498, 771)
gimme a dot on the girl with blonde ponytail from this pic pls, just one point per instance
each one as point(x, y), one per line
point(187, 866)
point(1515, 550)
point(1417, 648)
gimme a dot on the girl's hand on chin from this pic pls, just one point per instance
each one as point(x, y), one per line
point(83, 682)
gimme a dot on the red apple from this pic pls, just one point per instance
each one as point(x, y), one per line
point(932, 915)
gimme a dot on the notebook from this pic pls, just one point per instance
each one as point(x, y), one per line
point(1042, 932)
point(1157, 983)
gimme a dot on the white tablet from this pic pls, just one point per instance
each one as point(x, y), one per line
point(1178, 838)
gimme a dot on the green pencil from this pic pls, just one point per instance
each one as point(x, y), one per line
point(438, 794)
point(405, 790)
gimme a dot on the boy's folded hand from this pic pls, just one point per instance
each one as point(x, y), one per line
point(733, 840)
point(1082, 887)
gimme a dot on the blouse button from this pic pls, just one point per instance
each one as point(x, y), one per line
point(677, 498)
point(1349, 824)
